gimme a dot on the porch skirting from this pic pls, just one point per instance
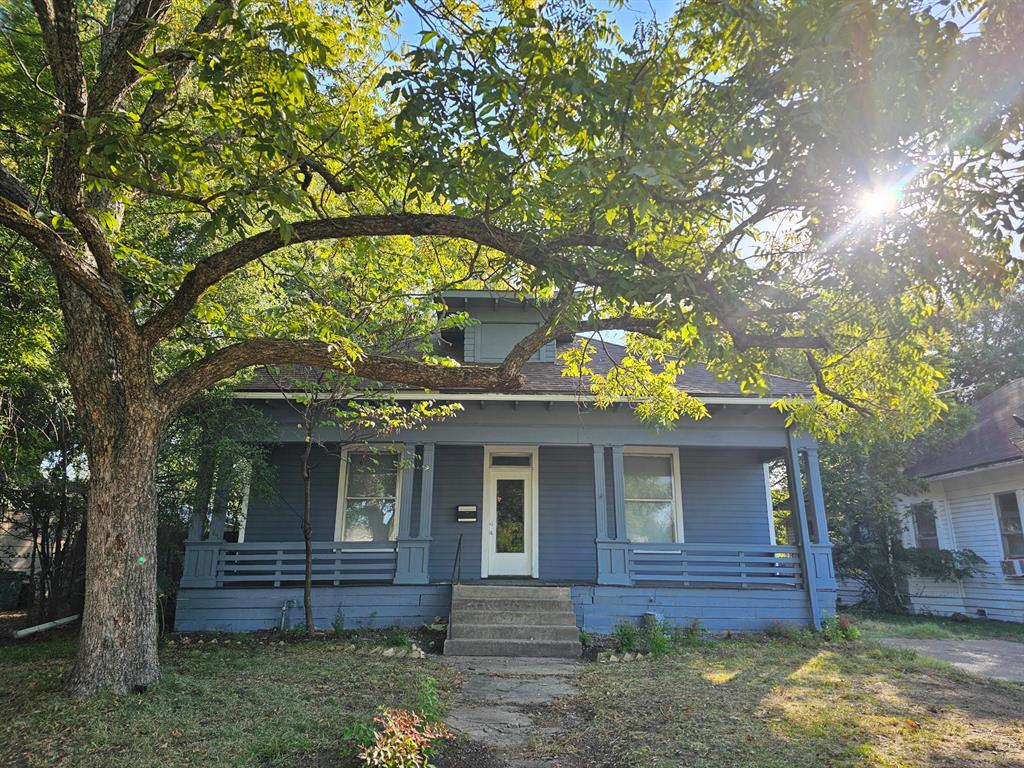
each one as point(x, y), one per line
point(598, 608)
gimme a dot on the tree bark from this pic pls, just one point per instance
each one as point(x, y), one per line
point(122, 422)
point(118, 644)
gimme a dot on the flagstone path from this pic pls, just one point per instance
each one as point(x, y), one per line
point(491, 707)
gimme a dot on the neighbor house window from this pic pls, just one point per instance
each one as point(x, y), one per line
point(925, 531)
point(1010, 527)
point(369, 495)
point(652, 496)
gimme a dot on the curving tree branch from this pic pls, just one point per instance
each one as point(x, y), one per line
point(228, 360)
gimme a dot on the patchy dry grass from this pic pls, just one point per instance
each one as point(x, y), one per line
point(763, 703)
point(215, 707)
point(879, 625)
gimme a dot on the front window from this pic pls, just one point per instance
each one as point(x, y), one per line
point(925, 530)
point(1010, 528)
point(370, 496)
point(651, 497)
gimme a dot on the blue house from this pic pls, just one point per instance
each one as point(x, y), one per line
point(531, 515)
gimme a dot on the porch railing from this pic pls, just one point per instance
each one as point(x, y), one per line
point(219, 563)
point(731, 565)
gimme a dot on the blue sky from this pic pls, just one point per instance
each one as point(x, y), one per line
point(627, 17)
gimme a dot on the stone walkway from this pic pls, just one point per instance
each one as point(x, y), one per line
point(495, 691)
point(1001, 659)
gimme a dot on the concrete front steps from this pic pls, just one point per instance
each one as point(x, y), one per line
point(494, 620)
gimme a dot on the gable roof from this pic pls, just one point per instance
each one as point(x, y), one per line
point(547, 378)
point(995, 437)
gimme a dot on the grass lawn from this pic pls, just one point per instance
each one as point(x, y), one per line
point(763, 703)
point(248, 705)
point(755, 702)
point(879, 625)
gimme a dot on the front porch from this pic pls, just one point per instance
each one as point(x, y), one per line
point(725, 567)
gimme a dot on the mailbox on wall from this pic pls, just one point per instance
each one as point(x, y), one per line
point(466, 513)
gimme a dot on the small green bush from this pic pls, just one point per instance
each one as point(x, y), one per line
point(627, 636)
point(657, 640)
point(397, 638)
point(586, 639)
point(428, 701)
point(837, 629)
point(358, 734)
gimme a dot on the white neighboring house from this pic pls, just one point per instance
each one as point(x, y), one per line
point(975, 500)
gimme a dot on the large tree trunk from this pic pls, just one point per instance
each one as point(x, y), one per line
point(122, 423)
point(118, 645)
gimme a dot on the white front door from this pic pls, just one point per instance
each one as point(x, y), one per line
point(509, 517)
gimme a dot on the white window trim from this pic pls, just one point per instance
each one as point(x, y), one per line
point(677, 486)
point(339, 513)
point(999, 527)
point(485, 549)
point(915, 534)
point(243, 512)
point(771, 505)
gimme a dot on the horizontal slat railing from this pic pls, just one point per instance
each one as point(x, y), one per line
point(281, 562)
point(730, 565)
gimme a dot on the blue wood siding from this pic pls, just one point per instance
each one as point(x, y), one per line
point(566, 514)
point(599, 609)
point(275, 514)
point(458, 479)
point(246, 610)
point(724, 498)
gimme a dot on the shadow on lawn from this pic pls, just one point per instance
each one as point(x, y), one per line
point(768, 704)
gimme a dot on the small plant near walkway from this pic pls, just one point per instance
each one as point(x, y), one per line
point(401, 738)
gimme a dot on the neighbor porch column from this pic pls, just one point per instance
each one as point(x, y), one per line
point(822, 562)
point(798, 508)
point(612, 551)
point(412, 550)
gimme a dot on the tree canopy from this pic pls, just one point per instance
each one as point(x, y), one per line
point(704, 177)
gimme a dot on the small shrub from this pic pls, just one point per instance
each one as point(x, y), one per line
point(657, 640)
point(586, 639)
point(397, 638)
point(338, 625)
point(689, 634)
point(358, 734)
point(627, 637)
point(428, 701)
point(837, 629)
point(401, 739)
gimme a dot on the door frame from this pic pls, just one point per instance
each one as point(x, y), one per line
point(489, 510)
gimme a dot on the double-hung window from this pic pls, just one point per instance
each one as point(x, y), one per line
point(926, 531)
point(1011, 527)
point(368, 503)
point(652, 496)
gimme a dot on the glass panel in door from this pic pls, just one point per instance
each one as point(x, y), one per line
point(510, 505)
